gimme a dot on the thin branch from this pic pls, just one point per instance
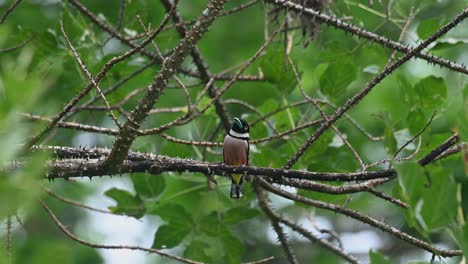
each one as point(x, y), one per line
point(415, 136)
point(253, 108)
point(324, 243)
point(179, 82)
point(146, 52)
point(283, 135)
point(299, 103)
point(261, 261)
point(110, 89)
point(402, 33)
point(360, 217)
point(89, 75)
point(121, 14)
point(324, 116)
point(388, 198)
point(225, 13)
point(370, 85)
point(17, 46)
point(67, 232)
point(90, 86)
point(205, 74)
point(451, 151)
point(73, 125)
point(191, 116)
point(78, 204)
point(439, 150)
point(262, 201)
point(360, 32)
point(8, 242)
point(9, 10)
point(325, 188)
point(127, 135)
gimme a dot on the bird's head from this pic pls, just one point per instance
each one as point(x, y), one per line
point(240, 126)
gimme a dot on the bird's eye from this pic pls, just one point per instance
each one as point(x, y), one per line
point(246, 127)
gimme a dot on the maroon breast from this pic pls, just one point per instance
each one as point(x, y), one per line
point(235, 151)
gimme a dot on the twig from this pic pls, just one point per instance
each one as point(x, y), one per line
point(78, 204)
point(205, 74)
point(189, 117)
point(439, 150)
point(451, 151)
point(261, 261)
point(262, 200)
point(97, 79)
point(253, 108)
point(370, 85)
point(225, 13)
point(145, 52)
point(181, 84)
point(89, 75)
point(360, 217)
point(402, 33)
point(415, 136)
point(17, 46)
point(324, 116)
point(8, 242)
point(9, 10)
point(283, 135)
point(67, 232)
point(110, 89)
point(73, 125)
point(388, 198)
point(127, 135)
point(360, 32)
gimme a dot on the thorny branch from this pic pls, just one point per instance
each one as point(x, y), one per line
point(370, 85)
point(127, 134)
point(67, 232)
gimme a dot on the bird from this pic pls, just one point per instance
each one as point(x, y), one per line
point(236, 152)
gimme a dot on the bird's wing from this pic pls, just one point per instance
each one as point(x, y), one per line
point(248, 151)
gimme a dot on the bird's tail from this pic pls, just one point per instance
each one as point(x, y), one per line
point(237, 186)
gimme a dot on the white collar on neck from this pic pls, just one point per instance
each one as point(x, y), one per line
point(239, 135)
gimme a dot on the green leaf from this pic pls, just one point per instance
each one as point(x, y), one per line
point(462, 124)
point(233, 248)
point(196, 251)
point(211, 225)
point(449, 43)
point(432, 93)
point(377, 258)
point(390, 141)
point(430, 194)
point(148, 185)
point(440, 200)
point(461, 236)
point(415, 120)
point(237, 214)
point(428, 27)
point(126, 203)
point(169, 236)
point(411, 179)
point(337, 77)
point(275, 71)
point(174, 214)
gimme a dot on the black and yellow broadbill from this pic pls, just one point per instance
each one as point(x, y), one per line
point(236, 152)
